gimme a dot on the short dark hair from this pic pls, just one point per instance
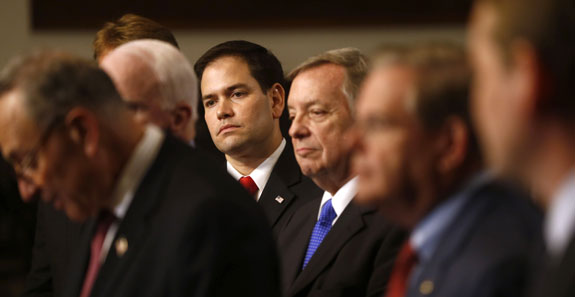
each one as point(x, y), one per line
point(127, 28)
point(548, 25)
point(263, 65)
point(53, 82)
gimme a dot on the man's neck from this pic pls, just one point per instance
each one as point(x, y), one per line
point(333, 182)
point(248, 161)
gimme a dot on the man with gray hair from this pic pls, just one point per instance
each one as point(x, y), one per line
point(331, 246)
point(162, 220)
point(157, 82)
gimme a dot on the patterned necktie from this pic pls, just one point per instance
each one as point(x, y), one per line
point(105, 220)
point(320, 230)
point(404, 263)
point(249, 185)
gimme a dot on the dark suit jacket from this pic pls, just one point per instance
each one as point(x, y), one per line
point(557, 278)
point(56, 239)
point(191, 231)
point(288, 182)
point(485, 251)
point(354, 259)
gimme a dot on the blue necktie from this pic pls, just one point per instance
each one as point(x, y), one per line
point(320, 230)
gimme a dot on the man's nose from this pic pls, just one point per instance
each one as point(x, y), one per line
point(28, 189)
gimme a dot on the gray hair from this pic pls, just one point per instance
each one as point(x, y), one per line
point(354, 62)
point(53, 82)
point(175, 76)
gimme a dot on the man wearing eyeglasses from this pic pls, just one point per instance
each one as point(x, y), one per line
point(161, 220)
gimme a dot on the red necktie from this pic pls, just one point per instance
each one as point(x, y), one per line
point(406, 260)
point(249, 185)
point(104, 221)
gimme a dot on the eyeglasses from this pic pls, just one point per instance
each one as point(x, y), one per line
point(29, 161)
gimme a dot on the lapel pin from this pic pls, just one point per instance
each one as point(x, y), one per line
point(426, 287)
point(279, 199)
point(121, 246)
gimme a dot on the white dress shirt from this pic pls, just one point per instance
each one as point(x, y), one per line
point(560, 220)
point(132, 174)
point(262, 173)
point(341, 199)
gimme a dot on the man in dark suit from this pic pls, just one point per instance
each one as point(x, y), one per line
point(52, 246)
point(331, 246)
point(242, 87)
point(524, 63)
point(420, 163)
point(162, 221)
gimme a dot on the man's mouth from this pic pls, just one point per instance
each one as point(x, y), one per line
point(227, 128)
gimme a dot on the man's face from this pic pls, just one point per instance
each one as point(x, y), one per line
point(45, 160)
point(321, 116)
point(495, 104)
point(139, 87)
point(241, 118)
point(395, 155)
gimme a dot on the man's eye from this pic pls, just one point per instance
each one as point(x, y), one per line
point(238, 94)
point(209, 103)
point(135, 106)
point(317, 113)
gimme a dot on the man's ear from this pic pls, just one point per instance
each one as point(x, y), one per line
point(528, 82)
point(277, 94)
point(180, 118)
point(83, 129)
point(453, 144)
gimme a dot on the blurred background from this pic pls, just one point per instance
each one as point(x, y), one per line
point(293, 33)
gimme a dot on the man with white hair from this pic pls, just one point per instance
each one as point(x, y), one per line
point(157, 82)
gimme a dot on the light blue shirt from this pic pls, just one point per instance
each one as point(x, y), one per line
point(427, 234)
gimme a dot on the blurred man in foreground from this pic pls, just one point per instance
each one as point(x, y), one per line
point(523, 53)
point(419, 162)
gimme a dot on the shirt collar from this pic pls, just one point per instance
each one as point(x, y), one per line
point(138, 164)
point(341, 199)
point(428, 232)
point(560, 221)
point(262, 173)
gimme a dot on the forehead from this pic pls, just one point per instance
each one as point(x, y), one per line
point(16, 124)
point(320, 84)
point(226, 71)
point(387, 89)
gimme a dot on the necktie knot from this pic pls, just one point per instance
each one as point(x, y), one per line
point(327, 214)
point(249, 184)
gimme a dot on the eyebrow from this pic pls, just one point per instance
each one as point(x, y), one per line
point(307, 104)
point(228, 89)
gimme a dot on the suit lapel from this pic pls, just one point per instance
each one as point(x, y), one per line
point(296, 240)
point(348, 224)
point(135, 226)
point(277, 196)
point(472, 211)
